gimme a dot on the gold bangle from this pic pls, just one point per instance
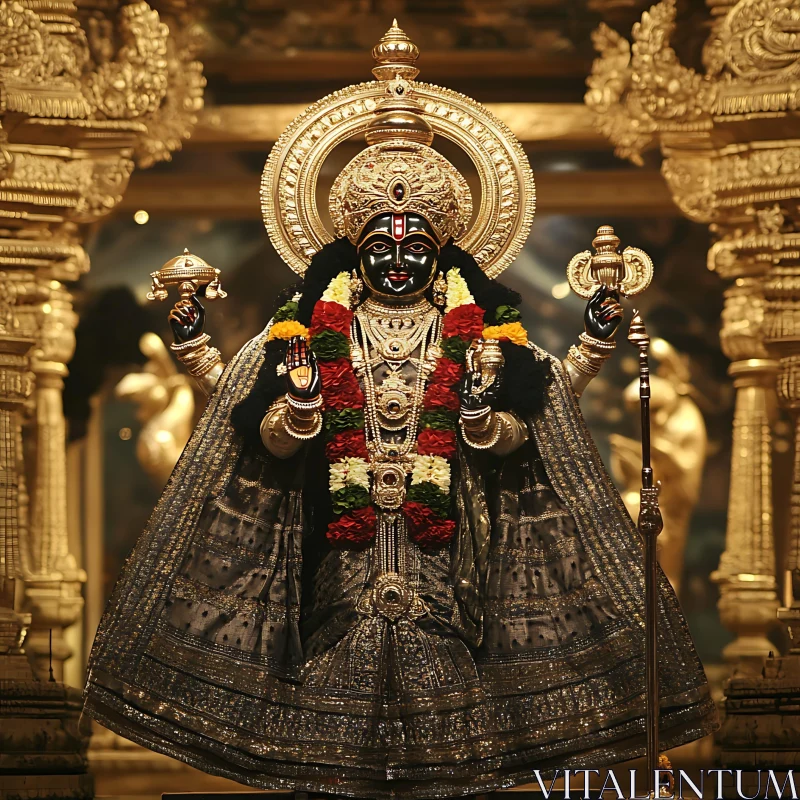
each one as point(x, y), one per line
point(597, 345)
point(298, 433)
point(482, 444)
point(581, 362)
point(201, 361)
point(190, 345)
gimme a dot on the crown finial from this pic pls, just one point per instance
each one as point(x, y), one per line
point(395, 55)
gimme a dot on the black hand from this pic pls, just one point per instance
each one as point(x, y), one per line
point(188, 318)
point(603, 313)
point(474, 400)
point(306, 384)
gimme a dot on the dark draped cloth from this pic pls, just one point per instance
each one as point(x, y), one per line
point(237, 641)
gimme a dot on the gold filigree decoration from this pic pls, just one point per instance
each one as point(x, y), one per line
point(415, 178)
point(637, 90)
point(135, 82)
point(610, 79)
point(761, 40)
point(667, 90)
point(39, 72)
point(174, 120)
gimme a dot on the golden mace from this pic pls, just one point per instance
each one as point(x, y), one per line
point(630, 273)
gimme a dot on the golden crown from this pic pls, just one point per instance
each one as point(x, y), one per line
point(400, 177)
point(399, 171)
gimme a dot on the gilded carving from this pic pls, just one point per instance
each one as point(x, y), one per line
point(667, 90)
point(133, 83)
point(117, 76)
point(175, 118)
point(630, 132)
point(729, 163)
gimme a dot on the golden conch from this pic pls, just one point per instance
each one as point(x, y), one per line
point(629, 272)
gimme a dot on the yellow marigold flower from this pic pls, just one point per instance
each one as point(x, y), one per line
point(286, 330)
point(513, 331)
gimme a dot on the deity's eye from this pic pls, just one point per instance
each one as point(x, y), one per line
point(379, 247)
point(417, 247)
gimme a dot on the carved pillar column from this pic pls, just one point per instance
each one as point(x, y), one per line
point(83, 94)
point(748, 601)
point(732, 159)
point(729, 154)
point(783, 338)
point(15, 388)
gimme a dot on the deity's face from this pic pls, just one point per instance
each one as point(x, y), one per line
point(398, 254)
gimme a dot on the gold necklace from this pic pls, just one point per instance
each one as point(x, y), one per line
point(391, 462)
point(395, 332)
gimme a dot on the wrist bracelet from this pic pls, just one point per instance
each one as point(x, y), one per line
point(190, 345)
point(475, 413)
point(597, 345)
point(484, 444)
point(201, 361)
point(304, 405)
point(297, 433)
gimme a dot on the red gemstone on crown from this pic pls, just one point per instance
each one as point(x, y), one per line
point(399, 192)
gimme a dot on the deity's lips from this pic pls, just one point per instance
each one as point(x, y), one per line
point(396, 277)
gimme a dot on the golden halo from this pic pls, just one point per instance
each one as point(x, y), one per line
point(289, 180)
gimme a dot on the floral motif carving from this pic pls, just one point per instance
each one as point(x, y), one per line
point(135, 81)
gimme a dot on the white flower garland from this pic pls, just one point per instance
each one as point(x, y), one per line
point(432, 469)
point(338, 290)
point(349, 472)
point(458, 293)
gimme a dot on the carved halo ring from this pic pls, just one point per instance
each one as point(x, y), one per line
point(288, 184)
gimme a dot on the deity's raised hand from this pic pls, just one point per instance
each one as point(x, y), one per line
point(603, 313)
point(188, 317)
point(302, 371)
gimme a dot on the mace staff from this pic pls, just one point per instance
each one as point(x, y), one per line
point(630, 273)
point(650, 525)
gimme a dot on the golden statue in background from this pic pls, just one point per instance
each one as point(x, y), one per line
point(679, 447)
point(166, 408)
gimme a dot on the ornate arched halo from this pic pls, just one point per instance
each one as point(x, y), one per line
point(288, 184)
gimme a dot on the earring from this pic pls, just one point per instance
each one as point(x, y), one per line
point(440, 290)
point(356, 287)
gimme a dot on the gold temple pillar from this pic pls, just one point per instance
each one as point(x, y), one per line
point(731, 156)
point(86, 92)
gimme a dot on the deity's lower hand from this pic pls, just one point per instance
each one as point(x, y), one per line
point(481, 385)
point(603, 314)
point(479, 391)
point(188, 317)
point(302, 372)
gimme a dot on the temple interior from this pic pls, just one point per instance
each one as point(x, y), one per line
point(116, 155)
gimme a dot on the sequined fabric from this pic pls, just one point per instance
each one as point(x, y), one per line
point(525, 649)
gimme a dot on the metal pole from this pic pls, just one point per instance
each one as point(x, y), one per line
point(650, 525)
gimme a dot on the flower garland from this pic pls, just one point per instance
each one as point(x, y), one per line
point(428, 505)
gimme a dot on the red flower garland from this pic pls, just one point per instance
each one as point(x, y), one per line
point(465, 321)
point(436, 443)
point(425, 527)
point(438, 396)
point(356, 527)
point(340, 387)
point(340, 390)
